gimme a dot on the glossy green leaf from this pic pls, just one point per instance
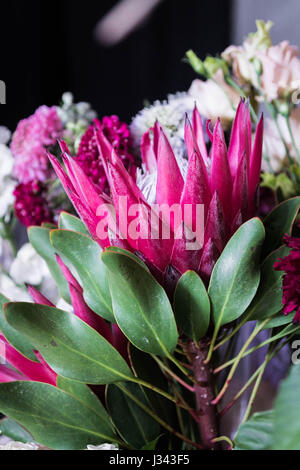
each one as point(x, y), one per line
point(55, 418)
point(84, 394)
point(84, 255)
point(115, 249)
point(192, 306)
point(40, 240)
point(286, 434)
point(152, 445)
point(141, 306)
point(70, 222)
point(256, 434)
point(279, 320)
point(280, 222)
point(236, 276)
point(135, 426)
point(268, 299)
point(17, 340)
point(14, 431)
point(71, 348)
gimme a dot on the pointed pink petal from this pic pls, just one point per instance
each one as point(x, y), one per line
point(170, 182)
point(120, 342)
point(216, 228)
point(7, 375)
point(199, 133)
point(182, 259)
point(209, 258)
point(39, 298)
point(148, 156)
point(32, 370)
point(240, 141)
point(197, 188)
point(256, 159)
point(221, 181)
point(240, 189)
point(81, 309)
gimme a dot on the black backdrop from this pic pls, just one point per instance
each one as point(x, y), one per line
point(47, 47)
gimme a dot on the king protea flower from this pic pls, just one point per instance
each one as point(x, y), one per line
point(224, 181)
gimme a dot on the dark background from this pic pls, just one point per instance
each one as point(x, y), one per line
point(48, 47)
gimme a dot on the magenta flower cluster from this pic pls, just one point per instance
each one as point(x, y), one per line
point(31, 205)
point(291, 280)
point(89, 159)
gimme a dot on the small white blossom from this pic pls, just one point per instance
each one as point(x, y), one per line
point(171, 116)
point(12, 291)
point(103, 447)
point(5, 135)
point(18, 446)
point(7, 187)
point(28, 267)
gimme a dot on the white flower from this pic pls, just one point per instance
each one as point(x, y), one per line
point(12, 291)
point(103, 447)
point(63, 305)
point(7, 187)
point(273, 145)
point(28, 267)
point(215, 99)
point(18, 446)
point(171, 116)
point(6, 162)
point(5, 135)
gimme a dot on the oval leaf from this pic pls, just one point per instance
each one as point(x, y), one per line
point(71, 348)
point(141, 306)
point(55, 418)
point(268, 299)
point(70, 222)
point(18, 341)
point(84, 255)
point(286, 434)
point(256, 434)
point(236, 276)
point(135, 426)
point(280, 222)
point(40, 240)
point(192, 306)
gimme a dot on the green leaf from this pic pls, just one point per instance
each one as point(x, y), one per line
point(152, 445)
point(71, 348)
point(14, 431)
point(279, 320)
point(192, 306)
point(116, 249)
point(286, 434)
point(236, 276)
point(84, 255)
point(256, 434)
point(55, 418)
point(280, 222)
point(141, 306)
point(40, 240)
point(18, 341)
point(268, 299)
point(70, 222)
point(85, 395)
point(135, 426)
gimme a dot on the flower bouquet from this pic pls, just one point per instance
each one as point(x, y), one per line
point(173, 246)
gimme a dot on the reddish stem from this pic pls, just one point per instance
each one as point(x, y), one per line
point(206, 412)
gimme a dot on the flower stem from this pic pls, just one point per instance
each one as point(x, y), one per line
point(173, 375)
point(157, 418)
point(238, 360)
point(206, 412)
point(288, 123)
point(243, 94)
